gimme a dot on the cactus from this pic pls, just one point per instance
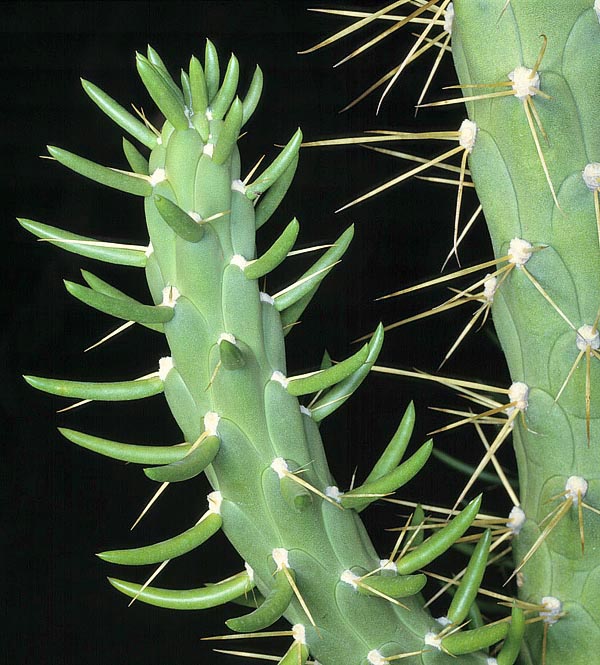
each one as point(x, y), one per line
point(529, 75)
point(254, 431)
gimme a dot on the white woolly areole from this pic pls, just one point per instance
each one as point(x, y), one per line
point(239, 261)
point(159, 140)
point(159, 175)
point(523, 83)
point(305, 411)
point(299, 633)
point(195, 216)
point(516, 519)
point(165, 365)
point(249, 570)
point(280, 378)
point(280, 556)
point(489, 288)
point(375, 658)
point(587, 337)
point(215, 499)
point(491, 661)
point(591, 175)
point(432, 640)
point(387, 564)
point(576, 487)
point(228, 337)
point(519, 251)
point(519, 393)
point(467, 133)
point(349, 578)
point(238, 186)
point(265, 297)
point(444, 621)
point(149, 250)
point(208, 149)
point(208, 114)
point(552, 608)
point(279, 465)
point(170, 295)
point(211, 422)
point(333, 492)
point(449, 18)
point(597, 8)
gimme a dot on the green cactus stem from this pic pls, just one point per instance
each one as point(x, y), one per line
point(303, 545)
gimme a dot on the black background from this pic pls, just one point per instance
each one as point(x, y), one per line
point(61, 504)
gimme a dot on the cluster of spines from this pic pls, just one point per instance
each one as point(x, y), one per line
point(227, 387)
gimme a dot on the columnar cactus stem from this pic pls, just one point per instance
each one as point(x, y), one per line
point(225, 379)
point(542, 336)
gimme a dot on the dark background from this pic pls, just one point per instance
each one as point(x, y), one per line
point(61, 504)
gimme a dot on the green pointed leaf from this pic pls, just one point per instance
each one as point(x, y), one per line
point(277, 168)
point(273, 607)
point(469, 641)
point(327, 377)
point(275, 254)
point(331, 400)
point(197, 459)
point(211, 70)
point(85, 246)
point(253, 95)
point(170, 105)
point(392, 455)
point(229, 133)
point(188, 599)
point(271, 199)
point(393, 586)
point(469, 584)
point(231, 355)
point(388, 483)
point(129, 310)
point(127, 452)
point(226, 94)
point(308, 282)
point(125, 182)
point(198, 87)
point(167, 549)
point(137, 162)
point(441, 540)
point(120, 116)
point(179, 220)
point(115, 391)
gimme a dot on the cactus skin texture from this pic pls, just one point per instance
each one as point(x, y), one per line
point(540, 346)
point(225, 384)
